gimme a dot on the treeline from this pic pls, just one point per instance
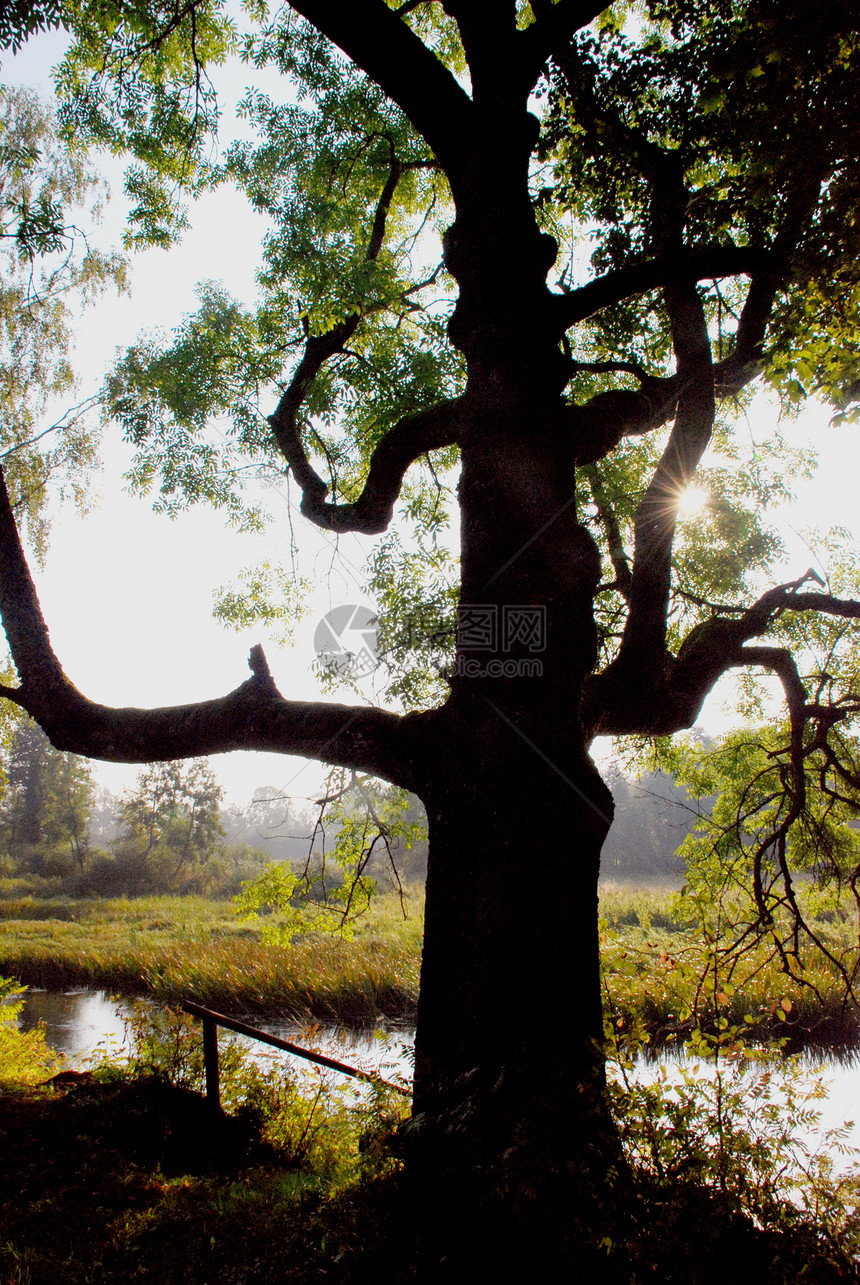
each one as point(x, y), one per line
point(59, 832)
point(653, 816)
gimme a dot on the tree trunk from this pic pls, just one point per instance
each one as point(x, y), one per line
point(512, 1157)
point(510, 1114)
point(510, 1029)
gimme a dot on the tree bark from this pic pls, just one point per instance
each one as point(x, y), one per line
point(509, 1062)
point(510, 1110)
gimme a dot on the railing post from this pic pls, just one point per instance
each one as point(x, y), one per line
point(210, 1061)
point(212, 1020)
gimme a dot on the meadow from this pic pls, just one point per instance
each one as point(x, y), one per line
point(178, 948)
point(661, 980)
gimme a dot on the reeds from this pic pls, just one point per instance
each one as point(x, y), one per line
point(182, 948)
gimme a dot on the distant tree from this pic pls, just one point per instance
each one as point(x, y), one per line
point(272, 822)
point(172, 823)
point(104, 819)
point(45, 815)
point(653, 816)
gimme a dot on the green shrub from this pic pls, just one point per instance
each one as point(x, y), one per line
point(737, 1121)
point(25, 1057)
point(336, 1132)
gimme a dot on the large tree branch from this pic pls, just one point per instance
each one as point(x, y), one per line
point(409, 439)
point(643, 643)
point(383, 45)
point(253, 717)
point(707, 264)
point(718, 644)
point(617, 702)
point(556, 24)
point(781, 662)
point(318, 350)
point(602, 422)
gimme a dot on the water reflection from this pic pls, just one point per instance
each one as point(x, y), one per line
point(78, 1023)
point(839, 1072)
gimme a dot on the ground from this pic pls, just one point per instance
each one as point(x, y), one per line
point(117, 1180)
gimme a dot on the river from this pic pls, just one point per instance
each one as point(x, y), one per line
point(81, 1023)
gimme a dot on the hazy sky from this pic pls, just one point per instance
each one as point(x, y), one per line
point(127, 595)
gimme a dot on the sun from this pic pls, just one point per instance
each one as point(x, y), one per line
point(694, 500)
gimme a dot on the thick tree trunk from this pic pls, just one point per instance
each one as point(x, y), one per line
point(510, 1110)
point(509, 1064)
point(513, 1162)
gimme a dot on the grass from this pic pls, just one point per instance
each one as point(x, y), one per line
point(656, 972)
point(174, 948)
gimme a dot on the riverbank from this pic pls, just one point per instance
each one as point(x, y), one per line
point(118, 1174)
point(122, 1174)
point(657, 982)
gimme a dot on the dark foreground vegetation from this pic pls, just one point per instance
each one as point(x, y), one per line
point(119, 1174)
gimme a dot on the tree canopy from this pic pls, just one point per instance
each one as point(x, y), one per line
point(48, 272)
point(547, 251)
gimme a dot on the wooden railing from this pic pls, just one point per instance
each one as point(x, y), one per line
point(212, 1020)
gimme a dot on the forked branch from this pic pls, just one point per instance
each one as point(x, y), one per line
point(614, 287)
point(719, 644)
point(409, 439)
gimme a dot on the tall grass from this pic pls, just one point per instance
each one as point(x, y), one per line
point(656, 968)
point(181, 948)
point(663, 976)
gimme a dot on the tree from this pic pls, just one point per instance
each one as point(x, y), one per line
point(172, 824)
point(652, 817)
point(48, 272)
point(646, 210)
point(45, 814)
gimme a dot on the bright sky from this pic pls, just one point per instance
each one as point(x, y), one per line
point(128, 595)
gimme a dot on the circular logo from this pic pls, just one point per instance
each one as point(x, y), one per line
point(345, 641)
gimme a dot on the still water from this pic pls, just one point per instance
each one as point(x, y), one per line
point(81, 1023)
